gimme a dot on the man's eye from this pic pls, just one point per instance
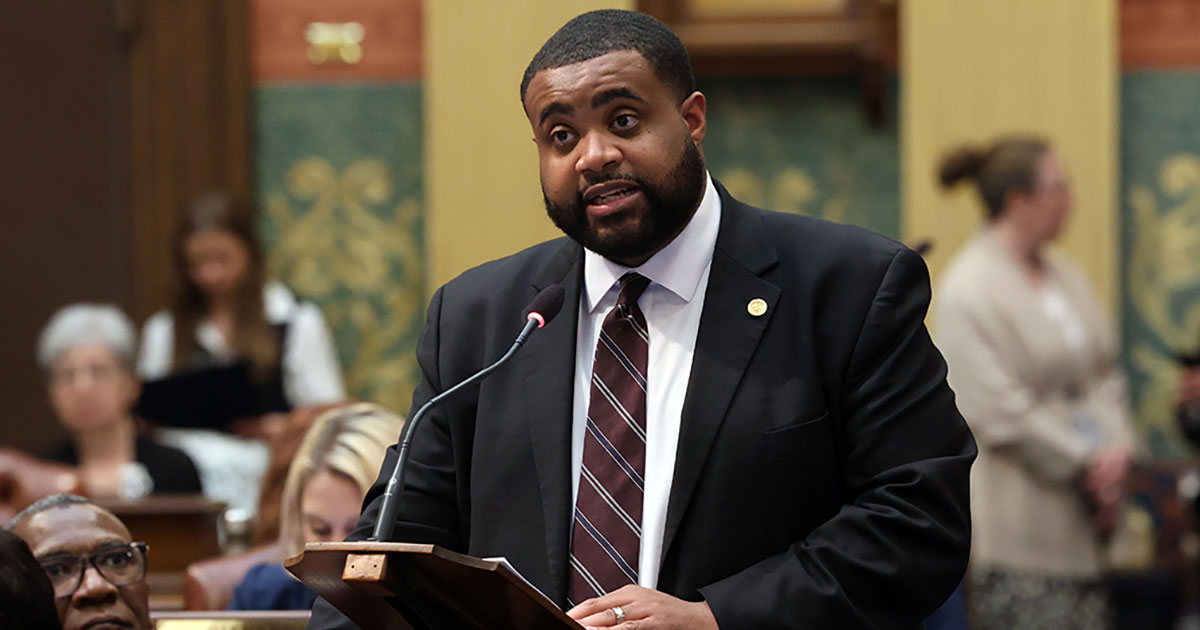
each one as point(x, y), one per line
point(561, 136)
point(57, 570)
point(115, 559)
point(625, 121)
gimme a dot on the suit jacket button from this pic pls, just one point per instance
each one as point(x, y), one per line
point(757, 307)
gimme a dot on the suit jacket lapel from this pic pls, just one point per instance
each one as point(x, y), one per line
point(726, 341)
point(549, 364)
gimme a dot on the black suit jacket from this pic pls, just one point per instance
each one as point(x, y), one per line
point(821, 479)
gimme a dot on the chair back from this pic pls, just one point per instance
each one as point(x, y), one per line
point(25, 479)
point(208, 584)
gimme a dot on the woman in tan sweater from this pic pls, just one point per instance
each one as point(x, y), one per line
point(1033, 360)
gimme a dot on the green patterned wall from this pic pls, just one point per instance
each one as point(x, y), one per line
point(1160, 248)
point(339, 172)
point(804, 145)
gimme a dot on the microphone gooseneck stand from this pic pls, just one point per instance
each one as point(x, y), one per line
point(544, 307)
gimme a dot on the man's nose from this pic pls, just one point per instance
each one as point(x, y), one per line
point(598, 152)
point(93, 589)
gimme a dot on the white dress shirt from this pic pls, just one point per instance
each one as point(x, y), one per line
point(672, 305)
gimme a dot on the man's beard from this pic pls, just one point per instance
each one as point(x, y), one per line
point(669, 206)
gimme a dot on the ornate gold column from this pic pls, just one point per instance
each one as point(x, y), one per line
point(973, 70)
point(481, 179)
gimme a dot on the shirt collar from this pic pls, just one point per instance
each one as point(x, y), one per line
point(677, 267)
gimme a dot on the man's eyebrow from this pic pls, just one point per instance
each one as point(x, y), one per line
point(599, 100)
point(608, 96)
point(102, 544)
point(554, 108)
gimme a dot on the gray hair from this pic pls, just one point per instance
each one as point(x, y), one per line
point(78, 324)
point(47, 503)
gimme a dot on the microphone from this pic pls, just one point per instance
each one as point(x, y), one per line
point(540, 311)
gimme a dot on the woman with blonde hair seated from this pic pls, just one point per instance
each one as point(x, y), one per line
point(336, 463)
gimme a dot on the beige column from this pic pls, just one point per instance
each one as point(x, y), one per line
point(974, 69)
point(482, 194)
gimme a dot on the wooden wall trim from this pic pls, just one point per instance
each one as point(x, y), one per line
point(391, 46)
point(861, 39)
point(1160, 34)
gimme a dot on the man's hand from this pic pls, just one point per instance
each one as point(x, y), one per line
point(643, 609)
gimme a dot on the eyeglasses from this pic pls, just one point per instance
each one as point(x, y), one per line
point(121, 565)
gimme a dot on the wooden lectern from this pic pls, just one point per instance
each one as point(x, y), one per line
point(398, 586)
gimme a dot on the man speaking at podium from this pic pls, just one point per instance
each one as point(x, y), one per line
point(738, 421)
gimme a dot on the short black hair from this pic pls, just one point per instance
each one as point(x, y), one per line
point(50, 502)
point(598, 33)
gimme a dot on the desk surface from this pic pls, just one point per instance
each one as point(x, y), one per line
point(231, 620)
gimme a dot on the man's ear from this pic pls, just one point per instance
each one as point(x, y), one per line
point(694, 111)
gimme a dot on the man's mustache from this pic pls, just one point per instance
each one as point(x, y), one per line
point(600, 178)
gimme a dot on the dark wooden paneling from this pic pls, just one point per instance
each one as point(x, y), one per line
point(860, 38)
point(788, 42)
point(64, 216)
point(113, 113)
point(191, 113)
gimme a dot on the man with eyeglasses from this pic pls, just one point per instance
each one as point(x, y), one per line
point(98, 572)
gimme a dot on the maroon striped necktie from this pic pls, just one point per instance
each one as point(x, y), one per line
point(607, 533)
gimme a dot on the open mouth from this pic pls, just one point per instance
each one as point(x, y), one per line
point(600, 200)
point(608, 192)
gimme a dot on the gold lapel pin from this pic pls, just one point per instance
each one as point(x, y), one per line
point(757, 307)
